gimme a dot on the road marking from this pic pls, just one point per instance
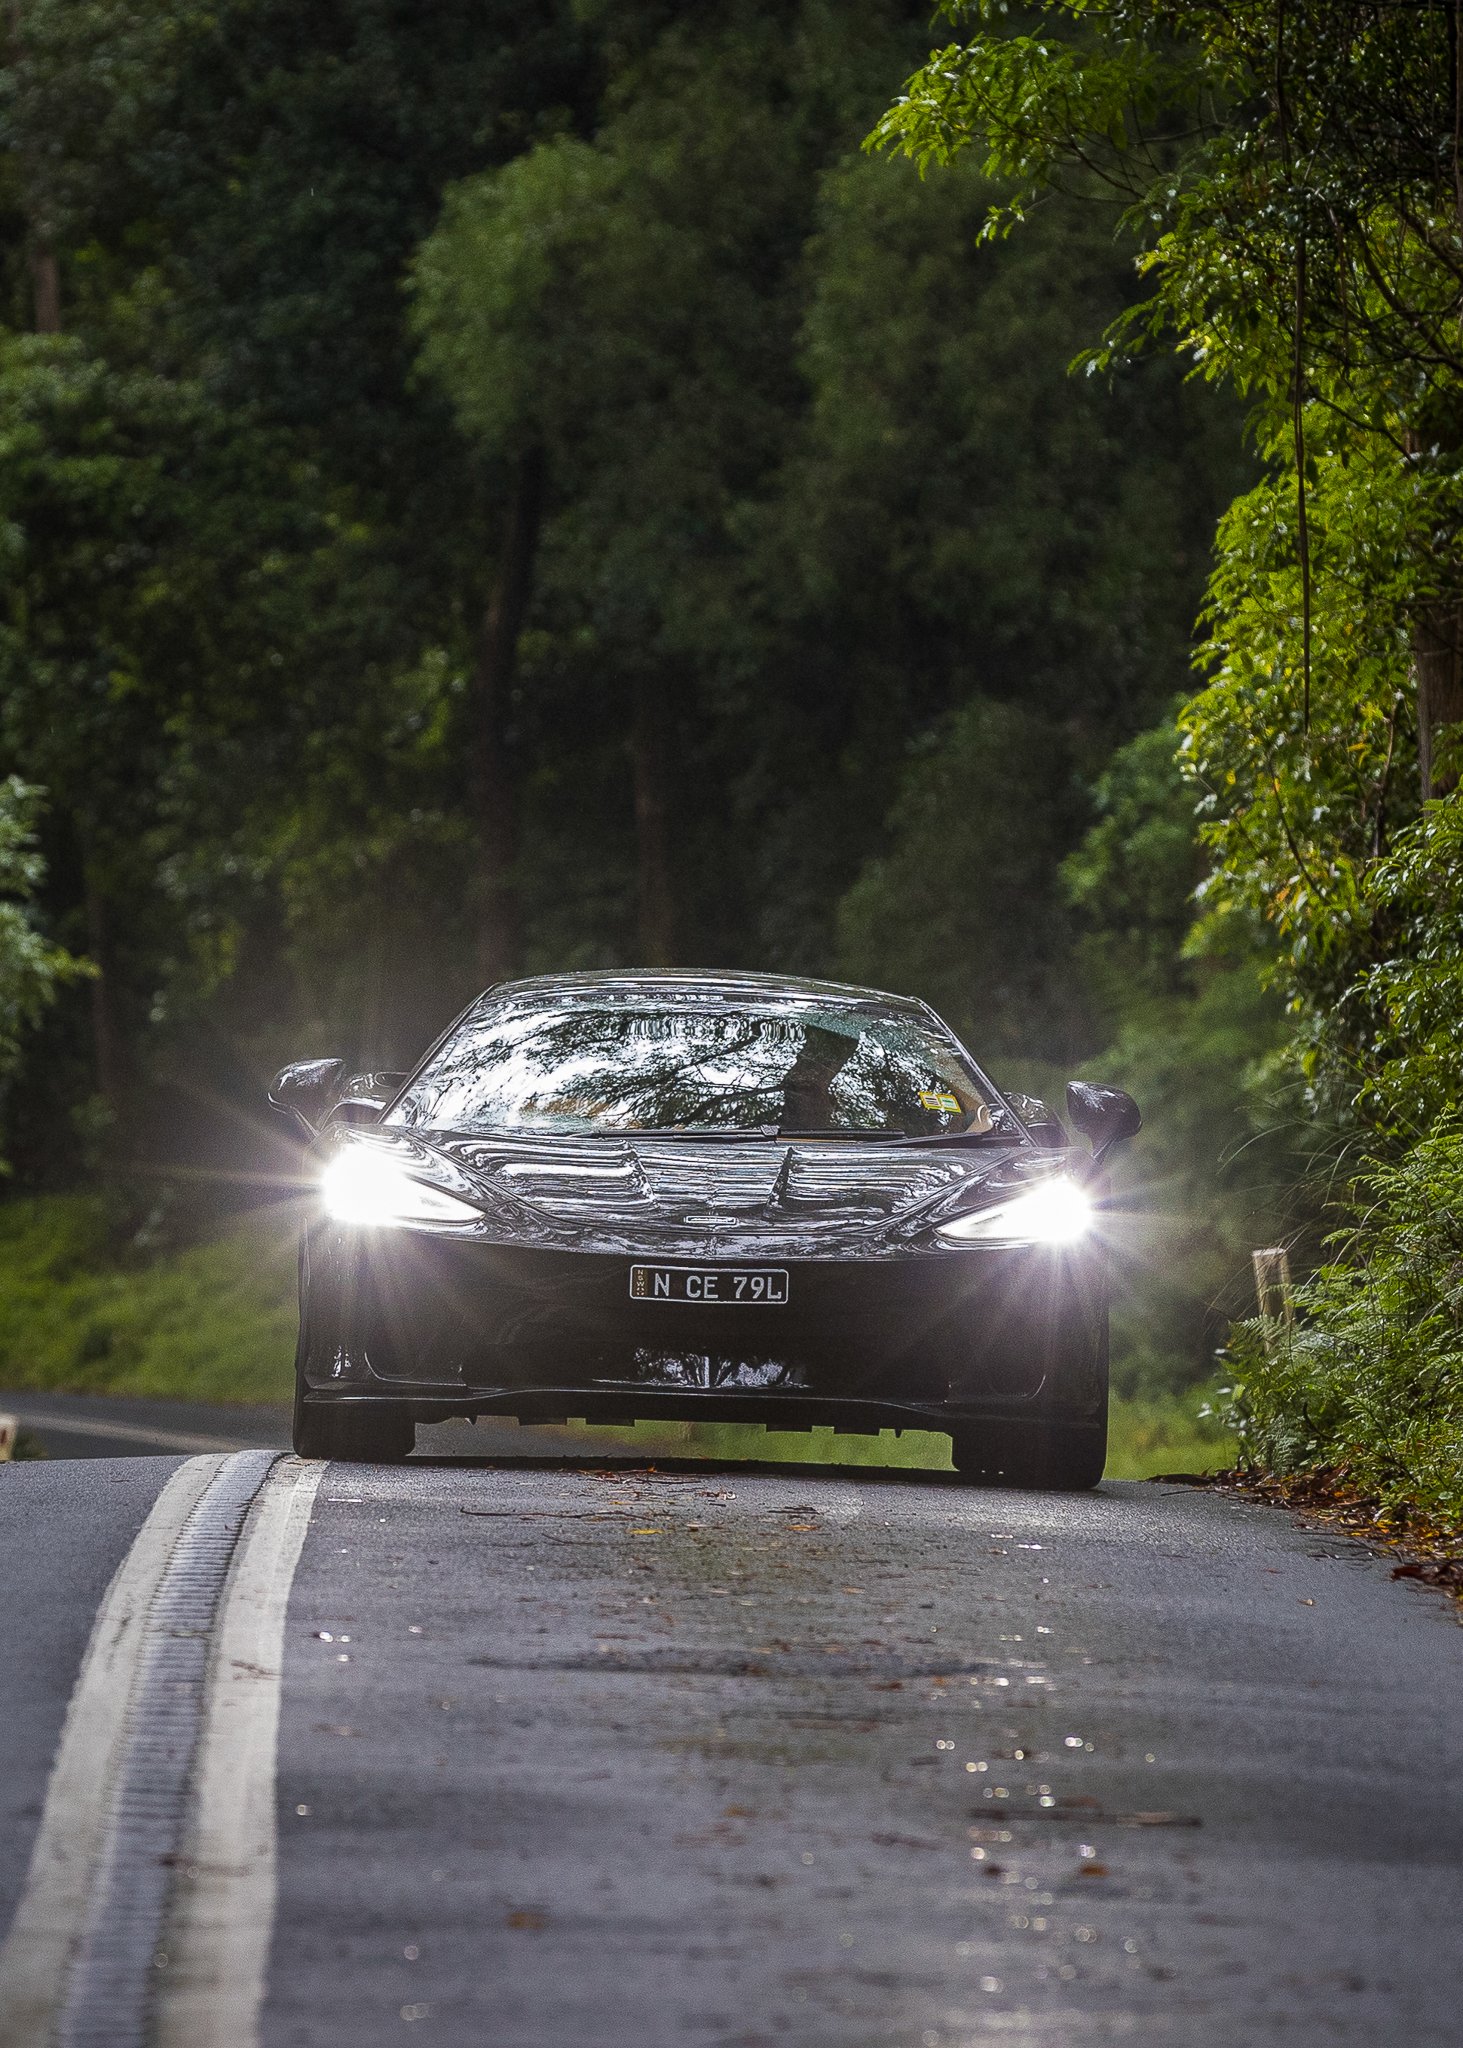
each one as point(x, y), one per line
point(218, 1937)
point(51, 1918)
point(149, 1902)
point(124, 1432)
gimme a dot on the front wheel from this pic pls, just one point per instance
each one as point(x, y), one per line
point(1032, 1455)
point(375, 1433)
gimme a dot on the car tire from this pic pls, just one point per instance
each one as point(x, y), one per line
point(1032, 1456)
point(378, 1434)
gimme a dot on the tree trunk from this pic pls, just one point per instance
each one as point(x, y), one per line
point(656, 901)
point(1437, 659)
point(45, 272)
point(490, 694)
point(105, 1039)
point(45, 275)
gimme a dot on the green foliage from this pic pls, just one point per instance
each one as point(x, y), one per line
point(959, 497)
point(1414, 993)
point(1192, 1034)
point(962, 910)
point(1154, 1435)
point(1132, 879)
point(78, 1311)
point(1157, 1434)
point(31, 968)
point(1297, 816)
point(1369, 1380)
point(840, 575)
point(1290, 170)
point(1280, 159)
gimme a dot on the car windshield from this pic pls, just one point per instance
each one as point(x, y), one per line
point(698, 1068)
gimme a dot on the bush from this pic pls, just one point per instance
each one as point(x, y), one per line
point(213, 1321)
point(1369, 1380)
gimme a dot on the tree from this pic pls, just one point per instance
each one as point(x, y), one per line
point(614, 321)
point(1292, 170)
point(1002, 562)
point(31, 967)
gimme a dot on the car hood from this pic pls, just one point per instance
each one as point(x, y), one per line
point(758, 1198)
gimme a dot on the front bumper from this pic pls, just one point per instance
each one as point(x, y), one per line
point(460, 1326)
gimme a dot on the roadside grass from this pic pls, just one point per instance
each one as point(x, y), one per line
point(1164, 1434)
point(216, 1322)
point(212, 1322)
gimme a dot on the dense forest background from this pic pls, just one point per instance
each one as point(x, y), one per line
point(488, 489)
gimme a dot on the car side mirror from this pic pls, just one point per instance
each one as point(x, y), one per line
point(364, 1096)
point(1104, 1116)
point(303, 1089)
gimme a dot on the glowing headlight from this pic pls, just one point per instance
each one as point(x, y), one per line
point(361, 1186)
point(1056, 1212)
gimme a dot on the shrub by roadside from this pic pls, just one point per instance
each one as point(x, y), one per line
point(211, 1322)
point(1367, 1385)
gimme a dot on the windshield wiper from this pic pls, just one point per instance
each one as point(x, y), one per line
point(753, 1131)
point(702, 1131)
point(867, 1133)
point(1011, 1137)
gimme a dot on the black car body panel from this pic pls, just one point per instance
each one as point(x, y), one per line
point(530, 1307)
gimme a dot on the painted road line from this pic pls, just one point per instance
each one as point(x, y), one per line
point(114, 1983)
point(217, 1939)
point(80, 1968)
point(124, 1432)
point(49, 1921)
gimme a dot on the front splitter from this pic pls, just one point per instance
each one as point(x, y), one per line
point(772, 1411)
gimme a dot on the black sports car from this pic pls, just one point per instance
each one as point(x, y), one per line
point(732, 1197)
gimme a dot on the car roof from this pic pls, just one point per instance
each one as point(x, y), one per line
point(665, 984)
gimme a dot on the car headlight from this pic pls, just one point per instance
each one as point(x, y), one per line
point(1056, 1212)
point(361, 1186)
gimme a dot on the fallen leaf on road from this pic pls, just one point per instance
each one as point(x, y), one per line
point(528, 1918)
point(1435, 1571)
point(1092, 1870)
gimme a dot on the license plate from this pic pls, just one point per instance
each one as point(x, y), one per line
point(734, 1286)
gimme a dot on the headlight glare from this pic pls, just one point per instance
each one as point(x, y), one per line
point(1055, 1212)
point(362, 1186)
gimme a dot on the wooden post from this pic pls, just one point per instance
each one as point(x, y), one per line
point(1273, 1291)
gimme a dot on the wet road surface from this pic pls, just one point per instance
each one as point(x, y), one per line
point(734, 1756)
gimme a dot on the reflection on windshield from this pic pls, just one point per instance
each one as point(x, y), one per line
point(617, 1067)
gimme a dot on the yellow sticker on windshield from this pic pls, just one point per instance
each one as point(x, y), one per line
point(950, 1104)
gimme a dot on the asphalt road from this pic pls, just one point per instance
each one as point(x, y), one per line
point(547, 1754)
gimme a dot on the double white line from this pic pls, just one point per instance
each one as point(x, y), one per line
point(148, 1907)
